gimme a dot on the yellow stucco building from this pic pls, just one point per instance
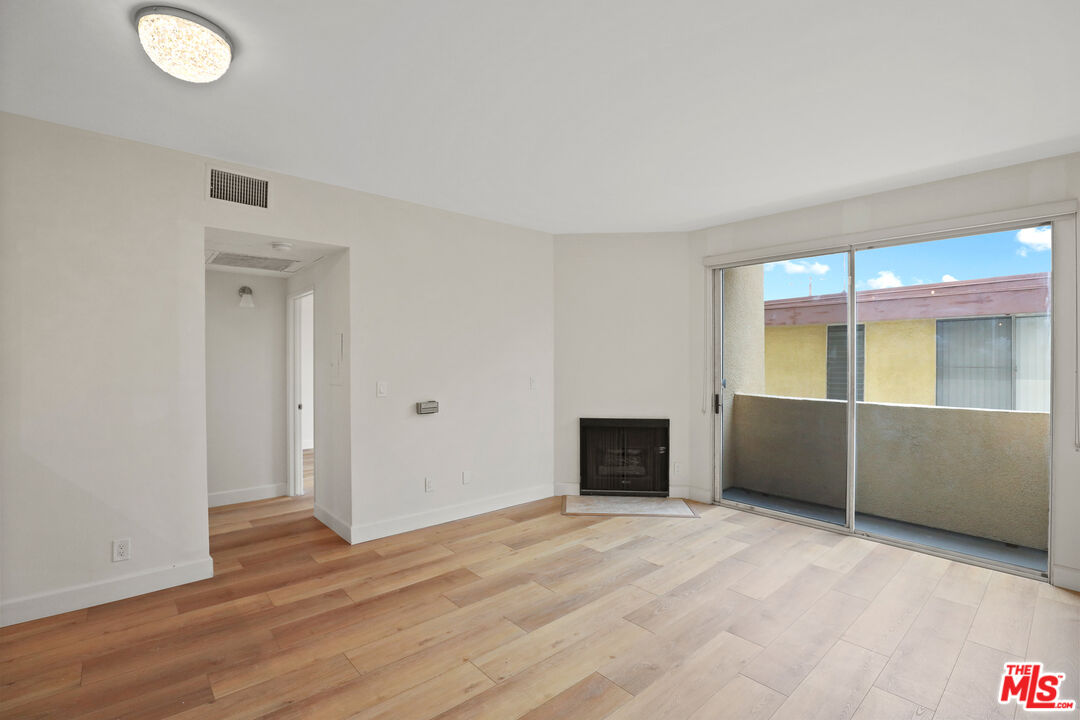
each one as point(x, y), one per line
point(900, 364)
point(905, 333)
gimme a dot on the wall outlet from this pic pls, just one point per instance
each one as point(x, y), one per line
point(532, 383)
point(121, 549)
point(428, 485)
point(677, 469)
point(466, 477)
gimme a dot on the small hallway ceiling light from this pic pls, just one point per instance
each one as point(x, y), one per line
point(184, 44)
point(247, 297)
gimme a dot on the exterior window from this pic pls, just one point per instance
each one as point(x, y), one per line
point(836, 362)
point(1031, 351)
point(997, 363)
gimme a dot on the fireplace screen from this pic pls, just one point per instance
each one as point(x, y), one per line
point(629, 463)
point(622, 456)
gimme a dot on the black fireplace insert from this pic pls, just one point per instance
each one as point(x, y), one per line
point(623, 456)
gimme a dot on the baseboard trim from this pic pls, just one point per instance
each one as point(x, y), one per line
point(76, 597)
point(258, 492)
point(437, 516)
point(1066, 577)
point(339, 526)
point(690, 492)
point(567, 488)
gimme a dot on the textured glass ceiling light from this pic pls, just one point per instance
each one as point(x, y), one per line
point(183, 44)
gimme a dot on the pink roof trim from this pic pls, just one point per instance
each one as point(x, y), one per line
point(1012, 295)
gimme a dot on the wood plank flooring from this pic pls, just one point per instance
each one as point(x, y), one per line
point(526, 613)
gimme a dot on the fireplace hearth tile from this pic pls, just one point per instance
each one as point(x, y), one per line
point(621, 505)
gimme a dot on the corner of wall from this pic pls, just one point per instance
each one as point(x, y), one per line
point(690, 492)
point(1066, 577)
point(339, 526)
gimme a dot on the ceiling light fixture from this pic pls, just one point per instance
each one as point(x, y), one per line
point(183, 44)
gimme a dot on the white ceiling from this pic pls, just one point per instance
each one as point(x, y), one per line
point(579, 115)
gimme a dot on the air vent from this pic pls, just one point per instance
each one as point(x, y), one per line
point(252, 262)
point(238, 188)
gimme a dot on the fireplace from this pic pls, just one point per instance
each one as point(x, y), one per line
point(621, 456)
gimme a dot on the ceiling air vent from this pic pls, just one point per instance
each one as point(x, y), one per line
point(236, 188)
point(252, 262)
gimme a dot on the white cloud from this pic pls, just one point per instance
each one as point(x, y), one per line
point(800, 267)
point(947, 278)
point(1036, 239)
point(885, 279)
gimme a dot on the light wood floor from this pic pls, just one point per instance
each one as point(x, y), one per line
point(309, 471)
point(526, 613)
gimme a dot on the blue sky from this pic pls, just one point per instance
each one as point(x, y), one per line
point(1015, 252)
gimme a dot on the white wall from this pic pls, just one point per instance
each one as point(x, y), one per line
point(103, 411)
point(622, 329)
point(102, 389)
point(307, 372)
point(245, 389)
point(456, 310)
point(331, 416)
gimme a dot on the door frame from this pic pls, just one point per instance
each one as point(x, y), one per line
point(294, 383)
point(1062, 216)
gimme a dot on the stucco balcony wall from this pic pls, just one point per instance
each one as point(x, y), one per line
point(979, 472)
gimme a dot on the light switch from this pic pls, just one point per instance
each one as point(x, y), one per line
point(382, 388)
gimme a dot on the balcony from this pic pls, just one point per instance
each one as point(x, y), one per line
point(968, 480)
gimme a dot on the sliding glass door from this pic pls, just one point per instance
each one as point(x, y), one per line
point(783, 390)
point(925, 421)
point(953, 436)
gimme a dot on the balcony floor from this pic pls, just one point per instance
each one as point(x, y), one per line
point(1024, 557)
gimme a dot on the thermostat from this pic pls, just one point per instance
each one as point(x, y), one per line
point(427, 407)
